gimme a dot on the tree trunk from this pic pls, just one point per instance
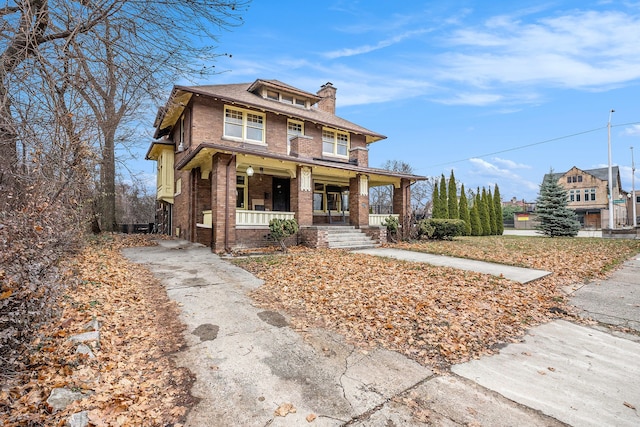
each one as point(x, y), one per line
point(108, 183)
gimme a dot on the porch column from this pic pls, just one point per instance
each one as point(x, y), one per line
point(302, 196)
point(359, 201)
point(223, 202)
point(402, 204)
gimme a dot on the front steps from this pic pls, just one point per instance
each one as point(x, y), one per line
point(347, 237)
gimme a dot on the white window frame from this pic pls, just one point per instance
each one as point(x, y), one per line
point(290, 134)
point(178, 184)
point(332, 136)
point(245, 187)
point(246, 124)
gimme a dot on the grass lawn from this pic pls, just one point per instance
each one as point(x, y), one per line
point(435, 315)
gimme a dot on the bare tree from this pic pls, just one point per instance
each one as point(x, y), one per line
point(381, 198)
point(116, 54)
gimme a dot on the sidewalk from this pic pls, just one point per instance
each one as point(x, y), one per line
point(518, 274)
point(248, 362)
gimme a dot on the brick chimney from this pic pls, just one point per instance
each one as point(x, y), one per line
point(328, 94)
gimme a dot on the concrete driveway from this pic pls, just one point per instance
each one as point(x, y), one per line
point(252, 369)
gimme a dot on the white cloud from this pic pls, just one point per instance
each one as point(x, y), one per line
point(510, 163)
point(633, 130)
point(370, 48)
point(476, 99)
point(491, 171)
point(583, 50)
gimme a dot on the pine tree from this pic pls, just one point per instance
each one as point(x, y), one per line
point(444, 202)
point(497, 206)
point(474, 215)
point(556, 219)
point(478, 204)
point(484, 212)
point(452, 197)
point(492, 213)
point(435, 201)
point(463, 211)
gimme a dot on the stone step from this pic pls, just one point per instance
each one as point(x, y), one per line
point(348, 237)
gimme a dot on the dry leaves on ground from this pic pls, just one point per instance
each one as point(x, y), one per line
point(572, 260)
point(435, 315)
point(132, 380)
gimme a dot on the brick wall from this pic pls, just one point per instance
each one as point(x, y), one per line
point(219, 198)
point(314, 237)
point(359, 155)
point(358, 204)
point(379, 234)
point(260, 187)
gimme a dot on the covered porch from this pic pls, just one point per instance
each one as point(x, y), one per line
point(237, 193)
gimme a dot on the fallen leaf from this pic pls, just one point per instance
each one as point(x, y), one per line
point(285, 409)
point(629, 405)
point(311, 418)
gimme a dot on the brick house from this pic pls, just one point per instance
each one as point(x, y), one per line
point(587, 193)
point(231, 157)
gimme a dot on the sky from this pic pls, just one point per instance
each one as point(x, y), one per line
point(498, 92)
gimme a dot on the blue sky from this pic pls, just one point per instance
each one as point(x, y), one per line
point(500, 92)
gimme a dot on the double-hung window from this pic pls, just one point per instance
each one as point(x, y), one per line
point(335, 142)
point(244, 124)
point(294, 128)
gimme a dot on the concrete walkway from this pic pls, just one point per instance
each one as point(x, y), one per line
point(518, 274)
point(580, 375)
point(248, 363)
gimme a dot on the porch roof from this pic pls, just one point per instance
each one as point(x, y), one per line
point(201, 157)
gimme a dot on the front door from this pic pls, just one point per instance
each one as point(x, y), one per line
point(281, 194)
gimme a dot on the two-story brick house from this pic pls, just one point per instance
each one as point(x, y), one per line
point(587, 193)
point(231, 157)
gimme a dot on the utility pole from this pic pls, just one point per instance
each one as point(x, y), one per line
point(633, 190)
point(610, 172)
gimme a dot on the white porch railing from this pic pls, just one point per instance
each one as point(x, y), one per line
point(376, 220)
point(259, 218)
point(250, 219)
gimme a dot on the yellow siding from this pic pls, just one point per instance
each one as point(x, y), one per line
point(165, 175)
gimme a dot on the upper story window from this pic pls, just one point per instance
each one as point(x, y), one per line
point(335, 142)
point(286, 98)
point(294, 128)
point(181, 133)
point(244, 124)
point(574, 178)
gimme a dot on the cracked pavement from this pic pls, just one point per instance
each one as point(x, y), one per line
point(248, 362)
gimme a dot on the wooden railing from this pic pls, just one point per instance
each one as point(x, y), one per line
point(250, 219)
point(376, 220)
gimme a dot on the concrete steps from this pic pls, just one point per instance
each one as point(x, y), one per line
point(348, 237)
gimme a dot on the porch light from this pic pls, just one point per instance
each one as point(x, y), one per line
point(249, 171)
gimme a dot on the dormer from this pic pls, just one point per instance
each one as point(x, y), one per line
point(277, 91)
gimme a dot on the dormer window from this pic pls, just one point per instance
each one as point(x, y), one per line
point(285, 98)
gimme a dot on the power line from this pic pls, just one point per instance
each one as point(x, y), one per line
point(520, 147)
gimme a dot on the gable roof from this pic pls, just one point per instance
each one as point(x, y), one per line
point(600, 173)
point(240, 93)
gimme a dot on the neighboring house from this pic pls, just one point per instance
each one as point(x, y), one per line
point(587, 193)
point(231, 157)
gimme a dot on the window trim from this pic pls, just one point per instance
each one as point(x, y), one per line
point(245, 125)
point(335, 133)
point(290, 136)
point(245, 187)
